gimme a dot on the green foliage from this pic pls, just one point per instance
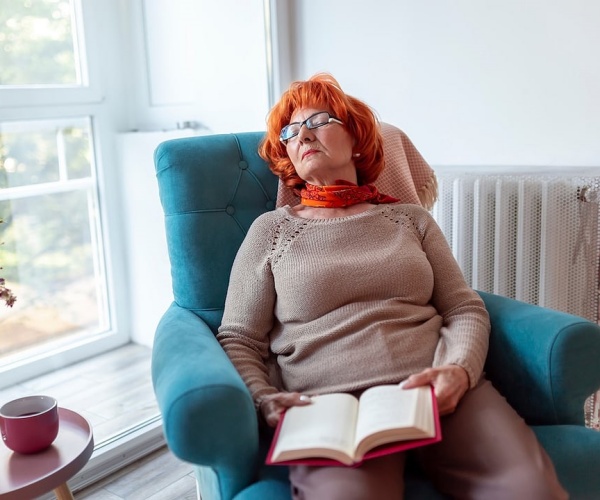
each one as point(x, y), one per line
point(32, 157)
point(47, 241)
point(47, 238)
point(36, 43)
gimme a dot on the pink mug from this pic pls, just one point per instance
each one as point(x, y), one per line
point(29, 424)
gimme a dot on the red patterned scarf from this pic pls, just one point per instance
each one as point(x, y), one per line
point(342, 194)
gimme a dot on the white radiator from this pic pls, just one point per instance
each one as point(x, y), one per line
point(530, 237)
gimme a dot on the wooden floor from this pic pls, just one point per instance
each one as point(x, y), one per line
point(114, 392)
point(159, 476)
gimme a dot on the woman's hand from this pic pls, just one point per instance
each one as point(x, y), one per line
point(273, 405)
point(449, 382)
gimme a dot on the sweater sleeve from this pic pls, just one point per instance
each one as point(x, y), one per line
point(464, 335)
point(248, 315)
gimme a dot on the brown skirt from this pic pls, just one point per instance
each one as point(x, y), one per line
point(487, 452)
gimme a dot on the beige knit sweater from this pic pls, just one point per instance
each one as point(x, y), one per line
point(347, 303)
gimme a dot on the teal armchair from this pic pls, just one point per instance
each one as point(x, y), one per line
point(546, 363)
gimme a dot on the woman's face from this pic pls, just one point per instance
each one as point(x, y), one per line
point(321, 155)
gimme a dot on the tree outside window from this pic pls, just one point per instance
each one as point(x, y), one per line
point(52, 251)
point(38, 45)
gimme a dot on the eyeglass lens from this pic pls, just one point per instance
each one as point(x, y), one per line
point(312, 122)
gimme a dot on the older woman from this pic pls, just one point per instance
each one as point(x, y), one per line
point(352, 288)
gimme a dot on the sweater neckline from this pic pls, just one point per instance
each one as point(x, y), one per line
point(372, 209)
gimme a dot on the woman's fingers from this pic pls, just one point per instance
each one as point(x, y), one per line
point(449, 382)
point(273, 405)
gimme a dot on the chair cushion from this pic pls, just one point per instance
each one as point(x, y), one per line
point(406, 175)
point(573, 450)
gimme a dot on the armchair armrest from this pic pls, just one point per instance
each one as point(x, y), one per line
point(543, 361)
point(574, 453)
point(208, 414)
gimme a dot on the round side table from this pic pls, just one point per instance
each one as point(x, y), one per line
point(30, 476)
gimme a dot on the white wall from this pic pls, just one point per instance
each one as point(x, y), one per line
point(200, 61)
point(495, 82)
point(148, 270)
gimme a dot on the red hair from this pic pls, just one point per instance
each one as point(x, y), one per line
point(322, 90)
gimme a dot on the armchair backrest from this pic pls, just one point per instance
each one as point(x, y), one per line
point(211, 189)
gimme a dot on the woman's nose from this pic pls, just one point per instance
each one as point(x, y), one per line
point(305, 134)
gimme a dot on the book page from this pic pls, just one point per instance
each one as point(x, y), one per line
point(328, 422)
point(390, 407)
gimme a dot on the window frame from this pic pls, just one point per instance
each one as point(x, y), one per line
point(89, 91)
point(99, 99)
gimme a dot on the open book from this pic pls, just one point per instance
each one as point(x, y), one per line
point(341, 429)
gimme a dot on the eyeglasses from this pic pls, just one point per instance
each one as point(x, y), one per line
point(314, 121)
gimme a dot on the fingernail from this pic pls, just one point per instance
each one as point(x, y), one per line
point(304, 397)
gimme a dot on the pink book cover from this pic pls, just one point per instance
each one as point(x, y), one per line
point(380, 451)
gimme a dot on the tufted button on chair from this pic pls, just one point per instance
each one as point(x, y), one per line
point(212, 187)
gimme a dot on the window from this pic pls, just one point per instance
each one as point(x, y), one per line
point(53, 251)
point(39, 43)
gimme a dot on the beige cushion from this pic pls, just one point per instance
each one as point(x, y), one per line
point(592, 411)
point(406, 175)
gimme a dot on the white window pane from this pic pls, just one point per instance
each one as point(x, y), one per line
point(38, 43)
point(37, 152)
point(51, 251)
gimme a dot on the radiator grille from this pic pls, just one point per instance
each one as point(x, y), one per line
point(534, 238)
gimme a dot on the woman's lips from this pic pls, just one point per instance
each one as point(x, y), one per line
point(309, 152)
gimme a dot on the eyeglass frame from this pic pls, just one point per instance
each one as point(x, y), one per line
point(331, 119)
